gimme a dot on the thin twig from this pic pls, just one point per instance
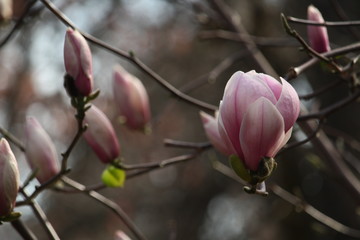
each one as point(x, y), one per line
point(331, 109)
point(211, 76)
point(325, 23)
point(185, 144)
point(23, 230)
point(12, 139)
point(342, 14)
point(296, 71)
point(313, 212)
point(297, 202)
point(260, 41)
point(41, 216)
point(107, 203)
point(154, 165)
point(308, 138)
point(321, 90)
point(132, 58)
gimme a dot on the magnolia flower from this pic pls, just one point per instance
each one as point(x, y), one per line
point(40, 151)
point(100, 135)
point(256, 116)
point(120, 235)
point(9, 179)
point(78, 61)
point(131, 98)
point(318, 36)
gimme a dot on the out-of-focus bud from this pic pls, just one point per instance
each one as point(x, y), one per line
point(100, 135)
point(120, 235)
point(131, 98)
point(318, 36)
point(78, 61)
point(9, 179)
point(40, 151)
point(6, 10)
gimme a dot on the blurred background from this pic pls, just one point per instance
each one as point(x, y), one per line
point(190, 200)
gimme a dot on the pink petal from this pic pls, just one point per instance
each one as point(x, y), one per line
point(288, 104)
point(241, 90)
point(212, 132)
point(225, 137)
point(261, 131)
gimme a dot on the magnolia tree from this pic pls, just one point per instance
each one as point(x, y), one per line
point(254, 159)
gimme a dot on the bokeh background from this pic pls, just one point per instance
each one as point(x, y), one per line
point(190, 200)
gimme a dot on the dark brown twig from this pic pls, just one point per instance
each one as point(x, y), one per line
point(297, 202)
point(107, 203)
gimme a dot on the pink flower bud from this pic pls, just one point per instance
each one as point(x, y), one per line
point(256, 116)
point(100, 135)
point(9, 178)
point(318, 36)
point(6, 11)
point(131, 98)
point(40, 151)
point(78, 61)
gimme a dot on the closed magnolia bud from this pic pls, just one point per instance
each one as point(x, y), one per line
point(131, 99)
point(318, 36)
point(6, 10)
point(40, 151)
point(100, 135)
point(9, 179)
point(78, 61)
point(256, 116)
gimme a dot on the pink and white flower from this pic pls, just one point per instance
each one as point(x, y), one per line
point(256, 116)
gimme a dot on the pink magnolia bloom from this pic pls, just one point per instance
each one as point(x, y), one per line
point(256, 116)
point(9, 178)
point(40, 151)
point(318, 36)
point(100, 135)
point(78, 61)
point(131, 98)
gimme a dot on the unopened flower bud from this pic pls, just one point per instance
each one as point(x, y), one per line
point(9, 179)
point(78, 61)
point(6, 10)
point(100, 135)
point(131, 99)
point(318, 36)
point(40, 151)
